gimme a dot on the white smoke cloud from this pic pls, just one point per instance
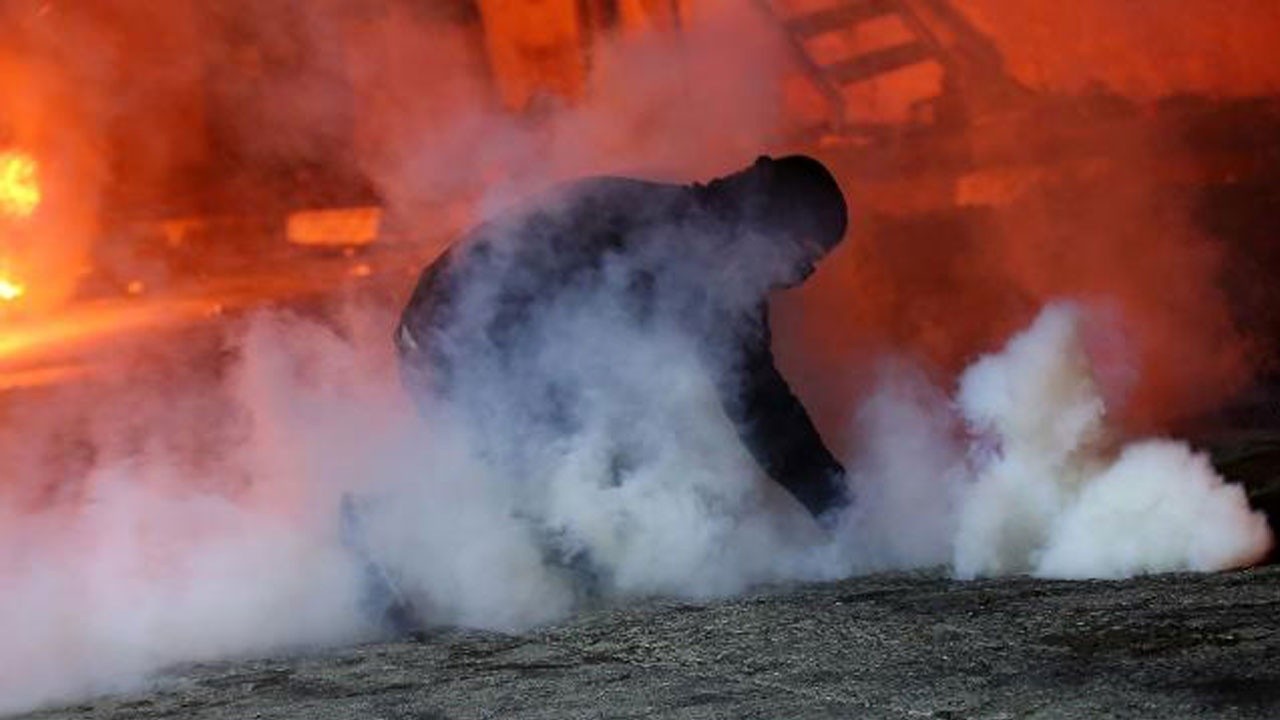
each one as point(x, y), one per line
point(907, 462)
point(1159, 507)
point(163, 561)
point(1055, 499)
point(156, 562)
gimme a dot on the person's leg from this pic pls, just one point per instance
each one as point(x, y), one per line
point(381, 600)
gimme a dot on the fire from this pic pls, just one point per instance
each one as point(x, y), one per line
point(19, 197)
point(10, 290)
point(19, 185)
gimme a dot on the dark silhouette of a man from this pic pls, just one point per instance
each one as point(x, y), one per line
point(608, 261)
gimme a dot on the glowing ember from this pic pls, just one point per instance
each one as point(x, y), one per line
point(19, 186)
point(10, 290)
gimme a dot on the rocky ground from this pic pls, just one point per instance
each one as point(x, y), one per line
point(913, 645)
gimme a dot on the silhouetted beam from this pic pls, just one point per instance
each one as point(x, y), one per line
point(865, 67)
point(839, 18)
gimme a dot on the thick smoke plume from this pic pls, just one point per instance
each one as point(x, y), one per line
point(1057, 496)
point(162, 555)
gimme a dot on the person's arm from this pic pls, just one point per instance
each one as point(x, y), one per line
point(776, 429)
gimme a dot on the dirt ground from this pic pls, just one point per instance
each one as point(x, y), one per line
point(903, 645)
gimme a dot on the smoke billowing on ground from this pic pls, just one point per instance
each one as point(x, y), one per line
point(197, 516)
point(159, 558)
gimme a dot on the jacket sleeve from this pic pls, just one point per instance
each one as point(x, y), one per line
point(776, 429)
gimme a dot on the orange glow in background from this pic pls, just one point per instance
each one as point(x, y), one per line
point(530, 91)
point(10, 289)
point(50, 181)
point(1141, 50)
point(535, 47)
point(19, 184)
point(19, 197)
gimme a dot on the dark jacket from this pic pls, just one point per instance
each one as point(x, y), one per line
point(644, 254)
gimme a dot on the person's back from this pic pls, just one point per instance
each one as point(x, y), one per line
point(504, 280)
point(597, 309)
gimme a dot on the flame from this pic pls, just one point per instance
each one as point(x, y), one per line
point(19, 185)
point(10, 290)
point(19, 197)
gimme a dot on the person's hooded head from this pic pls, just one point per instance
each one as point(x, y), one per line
point(788, 213)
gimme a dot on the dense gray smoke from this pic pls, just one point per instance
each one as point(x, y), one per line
point(161, 562)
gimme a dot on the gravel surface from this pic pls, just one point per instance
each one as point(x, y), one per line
point(903, 645)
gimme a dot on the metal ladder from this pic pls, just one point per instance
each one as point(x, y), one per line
point(939, 33)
